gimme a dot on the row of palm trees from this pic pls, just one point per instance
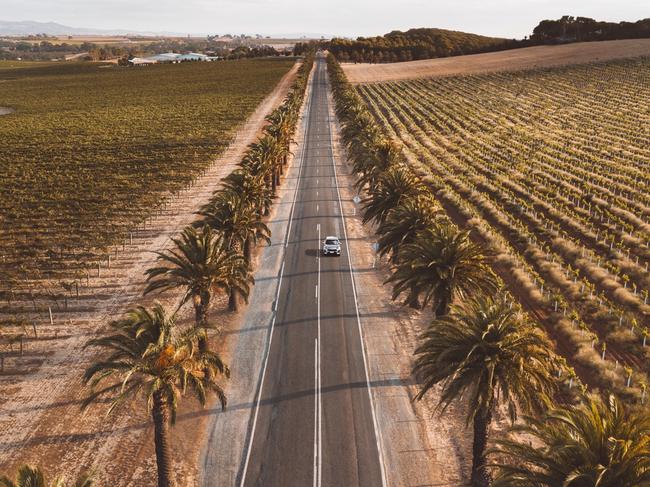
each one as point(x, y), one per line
point(480, 348)
point(147, 354)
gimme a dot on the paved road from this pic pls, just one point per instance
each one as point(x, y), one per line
point(314, 423)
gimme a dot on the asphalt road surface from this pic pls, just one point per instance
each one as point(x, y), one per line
point(314, 423)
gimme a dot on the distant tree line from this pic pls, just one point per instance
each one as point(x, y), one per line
point(414, 44)
point(47, 50)
point(579, 29)
point(417, 44)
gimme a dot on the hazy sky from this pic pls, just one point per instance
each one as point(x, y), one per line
point(505, 18)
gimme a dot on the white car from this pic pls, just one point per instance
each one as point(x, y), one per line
point(331, 246)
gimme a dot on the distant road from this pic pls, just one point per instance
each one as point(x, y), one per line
point(314, 423)
point(513, 59)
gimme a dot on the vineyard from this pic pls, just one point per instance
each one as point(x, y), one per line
point(551, 168)
point(91, 151)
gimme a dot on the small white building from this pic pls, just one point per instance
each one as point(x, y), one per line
point(171, 57)
point(138, 61)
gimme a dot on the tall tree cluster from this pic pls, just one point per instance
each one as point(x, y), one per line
point(413, 44)
point(580, 29)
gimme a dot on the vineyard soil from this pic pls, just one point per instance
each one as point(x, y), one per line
point(40, 420)
point(550, 168)
point(92, 149)
point(525, 58)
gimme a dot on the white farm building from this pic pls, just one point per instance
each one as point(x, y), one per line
point(172, 57)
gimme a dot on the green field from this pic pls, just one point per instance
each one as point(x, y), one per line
point(91, 149)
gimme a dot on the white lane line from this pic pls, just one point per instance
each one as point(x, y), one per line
point(364, 353)
point(317, 207)
point(302, 158)
point(267, 351)
point(318, 393)
point(315, 412)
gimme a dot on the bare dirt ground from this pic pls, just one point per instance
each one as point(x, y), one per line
point(41, 390)
point(420, 447)
point(512, 60)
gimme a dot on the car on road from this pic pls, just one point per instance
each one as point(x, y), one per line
point(331, 246)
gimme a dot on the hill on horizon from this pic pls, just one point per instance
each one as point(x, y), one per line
point(30, 27)
point(414, 44)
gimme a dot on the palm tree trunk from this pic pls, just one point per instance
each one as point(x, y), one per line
point(273, 181)
point(233, 305)
point(248, 250)
point(201, 320)
point(442, 309)
point(480, 475)
point(412, 300)
point(160, 413)
point(201, 306)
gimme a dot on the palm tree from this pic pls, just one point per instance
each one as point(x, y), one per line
point(392, 187)
point(262, 159)
point(595, 443)
point(200, 263)
point(385, 154)
point(404, 222)
point(282, 122)
point(238, 221)
point(360, 134)
point(251, 186)
point(30, 476)
point(232, 214)
point(488, 353)
point(149, 356)
point(269, 150)
point(442, 264)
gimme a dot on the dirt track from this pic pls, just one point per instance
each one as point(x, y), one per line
point(515, 59)
point(40, 420)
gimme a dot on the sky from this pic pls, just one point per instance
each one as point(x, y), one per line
point(350, 18)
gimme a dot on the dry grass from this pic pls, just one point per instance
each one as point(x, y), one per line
point(525, 58)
